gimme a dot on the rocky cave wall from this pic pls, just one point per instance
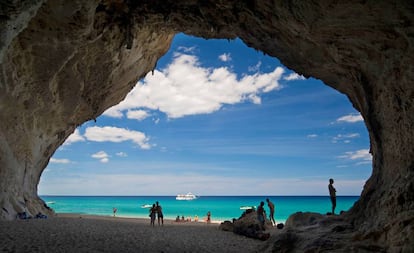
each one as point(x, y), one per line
point(65, 62)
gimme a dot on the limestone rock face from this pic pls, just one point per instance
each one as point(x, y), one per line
point(64, 62)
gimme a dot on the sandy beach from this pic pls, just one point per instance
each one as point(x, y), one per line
point(89, 233)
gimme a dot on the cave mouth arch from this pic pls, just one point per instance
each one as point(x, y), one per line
point(296, 125)
point(51, 82)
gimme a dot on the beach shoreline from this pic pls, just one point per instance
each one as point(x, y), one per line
point(135, 219)
point(74, 232)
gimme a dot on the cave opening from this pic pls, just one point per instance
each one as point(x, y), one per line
point(215, 114)
point(51, 83)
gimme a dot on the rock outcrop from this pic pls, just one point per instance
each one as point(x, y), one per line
point(248, 225)
point(65, 62)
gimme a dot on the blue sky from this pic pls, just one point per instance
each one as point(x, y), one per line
point(217, 118)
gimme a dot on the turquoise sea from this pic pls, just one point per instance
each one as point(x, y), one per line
point(221, 207)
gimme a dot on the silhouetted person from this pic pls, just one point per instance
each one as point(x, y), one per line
point(160, 216)
point(153, 211)
point(332, 194)
point(208, 217)
point(261, 215)
point(272, 211)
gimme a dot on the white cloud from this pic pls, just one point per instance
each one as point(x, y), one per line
point(102, 156)
point(115, 134)
point(351, 118)
point(186, 88)
point(121, 154)
point(186, 49)
point(62, 161)
point(294, 76)
point(137, 114)
point(74, 137)
point(225, 57)
point(361, 155)
point(312, 135)
point(112, 112)
point(345, 137)
point(255, 68)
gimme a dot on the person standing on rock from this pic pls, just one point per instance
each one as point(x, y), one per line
point(261, 216)
point(272, 211)
point(332, 194)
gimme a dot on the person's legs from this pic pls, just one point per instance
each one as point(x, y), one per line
point(272, 218)
point(333, 200)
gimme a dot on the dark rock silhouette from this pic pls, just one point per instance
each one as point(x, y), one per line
point(65, 62)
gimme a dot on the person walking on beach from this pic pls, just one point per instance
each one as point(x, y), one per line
point(160, 216)
point(153, 210)
point(114, 210)
point(208, 217)
point(261, 216)
point(272, 211)
point(332, 194)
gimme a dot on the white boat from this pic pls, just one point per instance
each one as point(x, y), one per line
point(247, 207)
point(188, 196)
point(146, 206)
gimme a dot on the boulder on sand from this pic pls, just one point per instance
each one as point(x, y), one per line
point(248, 225)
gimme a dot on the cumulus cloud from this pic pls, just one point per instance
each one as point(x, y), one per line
point(113, 113)
point(362, 155)
point(294, 76)
point(225, 57)
point(61, 161)
point(137, 114)
point(102, 156)
point(75, 137)
point(185, 88)
point(115, 134)
point(351, 118)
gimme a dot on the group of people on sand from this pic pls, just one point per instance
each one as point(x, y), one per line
point(182, 219)
point(156, 211)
